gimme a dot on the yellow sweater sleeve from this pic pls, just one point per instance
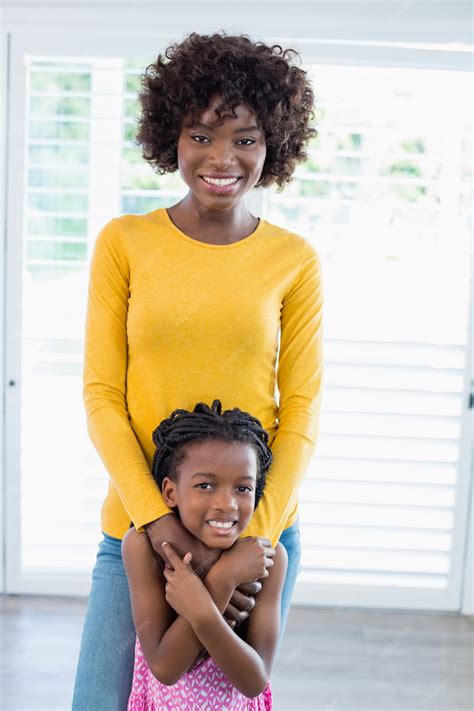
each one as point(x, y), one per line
point(299, 379)
point(104, 380)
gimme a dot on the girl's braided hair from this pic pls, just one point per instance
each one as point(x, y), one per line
point(203, 423)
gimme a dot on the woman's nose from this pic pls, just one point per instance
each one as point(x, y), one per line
point(221, 155)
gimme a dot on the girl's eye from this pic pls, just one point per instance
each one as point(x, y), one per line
point(242, 139)
point(204, 483)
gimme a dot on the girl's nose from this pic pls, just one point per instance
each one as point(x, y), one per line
point(225, 503)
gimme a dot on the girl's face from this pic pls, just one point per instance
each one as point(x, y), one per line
point(216, 483)
point(235, 149)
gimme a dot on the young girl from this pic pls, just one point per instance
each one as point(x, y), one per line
point(210, 466)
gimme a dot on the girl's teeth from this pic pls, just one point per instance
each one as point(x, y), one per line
point(220, 525)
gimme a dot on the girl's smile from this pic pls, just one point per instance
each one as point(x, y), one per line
point(221, 528)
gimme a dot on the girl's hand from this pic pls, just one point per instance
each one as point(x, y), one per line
point(169, 528)
point(185, 591)
point(247, 560)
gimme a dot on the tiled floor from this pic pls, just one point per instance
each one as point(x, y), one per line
point(331, 659)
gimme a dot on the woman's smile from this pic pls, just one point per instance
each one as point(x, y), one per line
point(220, 187)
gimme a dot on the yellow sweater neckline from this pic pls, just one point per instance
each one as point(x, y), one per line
point(251, 238)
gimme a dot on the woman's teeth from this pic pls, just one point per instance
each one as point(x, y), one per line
point(220, 181)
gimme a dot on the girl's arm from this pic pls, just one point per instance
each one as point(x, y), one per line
point(168, 641)
point(247, 664)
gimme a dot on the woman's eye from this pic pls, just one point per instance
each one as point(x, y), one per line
point(248, 488)
point(242, 139)
point(202, 484)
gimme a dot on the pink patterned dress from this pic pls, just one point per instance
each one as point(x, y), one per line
point(203, 688)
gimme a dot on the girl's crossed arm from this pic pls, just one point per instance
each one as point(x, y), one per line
point(167, 640)
point(247, 664)
point(169, 643)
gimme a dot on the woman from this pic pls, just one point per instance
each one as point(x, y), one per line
point(194, 302)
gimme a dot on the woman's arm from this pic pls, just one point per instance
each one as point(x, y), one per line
point(168, 641)
point(299, 378)
point(104, 379)
point(247, 664)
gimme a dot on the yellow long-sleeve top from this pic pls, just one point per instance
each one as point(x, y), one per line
point(172, 321)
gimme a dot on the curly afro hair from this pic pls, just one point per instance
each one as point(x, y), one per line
point(183, 80)
point(183, 427)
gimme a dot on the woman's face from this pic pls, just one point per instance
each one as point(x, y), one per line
point(235, 149)
point(216, 482)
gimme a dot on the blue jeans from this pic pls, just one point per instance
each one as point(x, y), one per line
point(106, 659)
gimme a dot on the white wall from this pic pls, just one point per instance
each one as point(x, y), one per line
point(420, 21)
point(468, 590)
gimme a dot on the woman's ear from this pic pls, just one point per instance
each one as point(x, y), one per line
point(168, 490)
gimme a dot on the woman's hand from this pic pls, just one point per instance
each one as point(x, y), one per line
point(169, 528)
point(247, 560)
point(242, 601)
point(185, 592)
